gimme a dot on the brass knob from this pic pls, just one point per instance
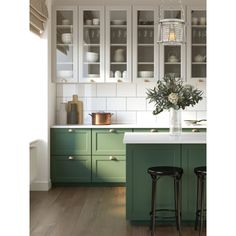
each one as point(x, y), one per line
point(119, 80)
point(71, 158)
point(153, 130)
point(112, 158)
point(70, 130)
point(146, 80)
point(195, 130)
point(112, 130)
point(92, 80)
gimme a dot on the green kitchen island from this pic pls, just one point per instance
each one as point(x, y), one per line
point(144, 150)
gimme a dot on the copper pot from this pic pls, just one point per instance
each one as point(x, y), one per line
point(101, 118)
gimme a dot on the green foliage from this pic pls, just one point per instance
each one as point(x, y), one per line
point(171, 93)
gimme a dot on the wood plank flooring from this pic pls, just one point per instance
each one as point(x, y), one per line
point(87, 211)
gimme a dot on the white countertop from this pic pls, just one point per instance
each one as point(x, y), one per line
point(125, 126)
point(164, 138)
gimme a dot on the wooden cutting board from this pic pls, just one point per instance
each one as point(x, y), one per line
point(79, 108)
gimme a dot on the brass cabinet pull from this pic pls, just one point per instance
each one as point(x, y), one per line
point(70, 130)
point(112, 130)
point(71, 158)
point(112, 158)
point(153, 130)
point(195, 130)
point(92, 81)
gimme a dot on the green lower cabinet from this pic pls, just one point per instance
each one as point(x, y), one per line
point(108, 169)
point(193, 155)
point(70, 169)
point(140, 157)
point(152, 130)
point(108, 141)
point(138, 181)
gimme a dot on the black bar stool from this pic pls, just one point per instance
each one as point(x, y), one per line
point(156, 173)
point(200, 210)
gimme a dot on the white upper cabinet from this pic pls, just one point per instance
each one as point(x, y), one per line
point(172, 57)
point(91, 44)
point(118, 44)
point(145, 46)
point(196, 44)
point(64, 45)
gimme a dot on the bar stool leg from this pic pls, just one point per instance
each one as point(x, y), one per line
point(153, 205)
point(201, 205)
point(197, 205)
point(178, 206)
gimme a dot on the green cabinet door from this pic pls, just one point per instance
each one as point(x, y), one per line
point(70, 169)
point(138, 192)
point(194, 130)
point(108, 169)
point(70, 141)
point(193, 155)
point(108, 141)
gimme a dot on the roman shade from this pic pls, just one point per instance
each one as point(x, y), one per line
point(38, 16)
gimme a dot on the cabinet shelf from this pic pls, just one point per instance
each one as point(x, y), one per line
point(92, 63)
point(65, 26)
point(199, 26)
point(172, 63)
point(91, 44)
point(118, 63)
point(146, 63)
point(65, 44)
point(92, 26)
point(118, 44)
point(118, 26)
point(65, 63)
point(198, 44)
point(199, 63)
point(146, 44)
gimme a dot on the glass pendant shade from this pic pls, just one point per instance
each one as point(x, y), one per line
point(171, 31)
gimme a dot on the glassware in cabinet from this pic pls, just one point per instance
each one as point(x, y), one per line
point(173, 55)
point(198, 43)
point(145, 48)
point(118, 44)
point(91, 64)
point(65, 41)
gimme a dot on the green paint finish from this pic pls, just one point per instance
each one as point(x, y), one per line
point(108, 141)
point(193, 155)
point(138, 181)
point(194, 129)
point(106, 170)
point(150, 130)
point(64, 170)
point(71, 141)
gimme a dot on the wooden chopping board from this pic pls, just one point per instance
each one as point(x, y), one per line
point(79, 108)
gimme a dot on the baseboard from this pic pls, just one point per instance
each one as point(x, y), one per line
point(40, 186)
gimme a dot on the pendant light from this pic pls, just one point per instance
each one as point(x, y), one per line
point(171, 31)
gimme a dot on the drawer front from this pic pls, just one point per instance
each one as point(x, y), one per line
point(194, 130)
point(108, 141)
point(70, 141)
point(108, 169)
point(152, 130)
point(70, 169)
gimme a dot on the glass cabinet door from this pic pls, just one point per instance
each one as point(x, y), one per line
point(173, 55)
point(91, 35)
point(198, 44)
point(118, 44)
point(145, 47)
point(65, 42)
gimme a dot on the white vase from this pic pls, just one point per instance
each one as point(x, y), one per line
point(62, 114)
point(175, 121)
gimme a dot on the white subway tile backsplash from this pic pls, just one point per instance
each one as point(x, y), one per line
point(145, 117)
point(163, 118)
point(136, 104)
point(66, 90)
point(116, 104)
point(142, 88)
point(201, 115)
point(95, 104)
point(188, 115)
point(126, 117)
point(106, 90)
point(87, 90)
point(126, 90)
point(200, 106)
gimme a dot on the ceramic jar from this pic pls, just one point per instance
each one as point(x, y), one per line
point(119, 55)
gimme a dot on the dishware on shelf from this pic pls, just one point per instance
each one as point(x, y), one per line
point(91, 56)
point(202, 20)
point(66, 38)
point(194, 20)
point(65, 73)
point(117, 74)
point(145, 74)
point(66, 22)
point(88, 22)
point(119, 55)
point(199, 58)
point(172, 58)
point(96, 21)
point(124, 74)
point(118, 22)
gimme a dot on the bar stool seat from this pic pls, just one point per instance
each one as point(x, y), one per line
point(156, 173)
point(200, 210)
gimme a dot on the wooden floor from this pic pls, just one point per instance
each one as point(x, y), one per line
point(85, 211)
